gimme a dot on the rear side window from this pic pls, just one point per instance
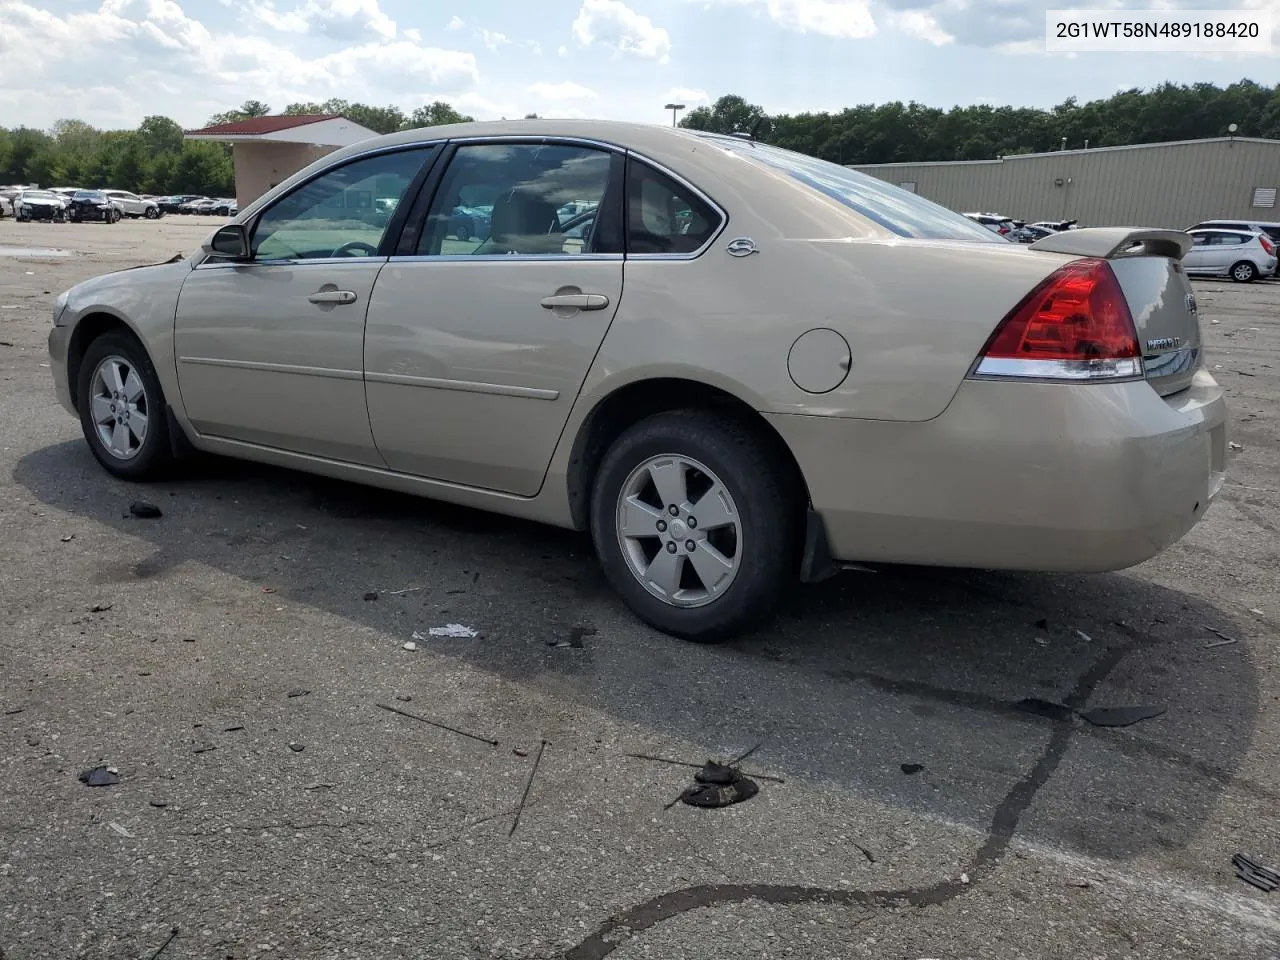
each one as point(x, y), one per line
point(899, 211)
point(664, 216)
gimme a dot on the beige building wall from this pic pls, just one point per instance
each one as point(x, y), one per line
point(260, 166)
point(1161, 185)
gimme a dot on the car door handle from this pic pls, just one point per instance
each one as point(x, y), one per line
point(576, 301)
point(333, 296)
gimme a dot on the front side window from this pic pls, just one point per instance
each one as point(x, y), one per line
point(903, 213)
point(341, 213)
point(517, 199)
point(663, 216)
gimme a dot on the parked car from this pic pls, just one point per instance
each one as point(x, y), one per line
point(93, 205)
point(1029, 233)
point(1272, 230)
point(995, 222)
point(39, 205)
point(729, 400)
point(1055, 226)
point(174, 204)
point(133, 205)
point(1242, 255)
point(225, 207)
point(6, 207)
point(469, 223)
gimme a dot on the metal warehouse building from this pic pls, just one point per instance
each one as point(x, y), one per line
point(1151, 185)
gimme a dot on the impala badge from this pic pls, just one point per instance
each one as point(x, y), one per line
point(1164, 343)
point(742, 247)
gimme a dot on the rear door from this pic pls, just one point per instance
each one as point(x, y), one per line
point(479, 335)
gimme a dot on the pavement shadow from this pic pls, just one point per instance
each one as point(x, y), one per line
point(899, 686)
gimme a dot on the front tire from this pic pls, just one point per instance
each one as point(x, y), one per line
point(704, 578)
point(1244, 272)
point(122, 408)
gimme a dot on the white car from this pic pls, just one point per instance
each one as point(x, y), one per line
point(1242, 255)
point(995, 222)
point(132, 205)
point(6, 207)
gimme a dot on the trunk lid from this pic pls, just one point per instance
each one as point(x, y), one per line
point(1147, 264)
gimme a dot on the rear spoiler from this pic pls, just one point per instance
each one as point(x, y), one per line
point(1111, 242)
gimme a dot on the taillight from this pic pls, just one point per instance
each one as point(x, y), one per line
point(1075, 325)
point(1267, 245)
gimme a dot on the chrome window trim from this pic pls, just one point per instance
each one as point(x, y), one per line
point(216, 263)
point(696, 191)
point(508, 258)
point(544, 140)
point(463, 386)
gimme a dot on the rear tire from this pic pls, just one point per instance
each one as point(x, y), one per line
point(1244, 272)
point(126, 446)
point(706, 581)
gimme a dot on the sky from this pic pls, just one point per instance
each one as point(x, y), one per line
point(112, 62)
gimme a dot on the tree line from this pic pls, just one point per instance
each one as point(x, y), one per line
point(156, 159)
point(898, 132)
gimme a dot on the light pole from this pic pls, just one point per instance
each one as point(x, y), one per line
point(675, 108)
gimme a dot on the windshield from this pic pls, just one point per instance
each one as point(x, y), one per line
point(89, 195)
point(893, 208)
point(39, 195)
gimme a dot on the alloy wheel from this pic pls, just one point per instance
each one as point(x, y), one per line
point(680, 530)
point(119, 407)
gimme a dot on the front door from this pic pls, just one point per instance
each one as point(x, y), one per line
point(479, 340)
point(270, 352)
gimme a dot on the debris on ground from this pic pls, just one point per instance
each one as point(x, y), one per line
point(695, 766)
point(574, 639)
point(964, 878)
point(1221, 643)
point(298, 692)
point(1255, 874)
point(433, 723)
point(68, 538)
point(1220, 634)
point(268, 589)
point(519, 752)
point(120, 830)
point(100, 777)
point(145, 511)
point(401, 593)
point(1084, 636)
point(454, 630)
point(417, 635)
point(527, 787)
point(297, 747)
point(319, 786)
point(174, 932)
point(234, 729)
point(11, 711)
point(1045, 708)
point(719, 785)
point(410, 645)
point(912, 768)
point(371, 595)
point(1235, 446)
point(100, 607)
point(403, 697)
point(158, 804)
point(204, 748)
point(1120, 716)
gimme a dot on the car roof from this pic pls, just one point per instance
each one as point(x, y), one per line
point(1240, 233)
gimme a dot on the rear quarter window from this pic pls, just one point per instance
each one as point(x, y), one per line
point(899, 211)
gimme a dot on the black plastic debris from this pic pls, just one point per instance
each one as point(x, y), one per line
point(100, 608)
point(371, 595)
point(99, 777)
point(298, 692)
point(297, 747)
point(145, 511)
point(1120, 716)
point(910, 769)
point(1255, 874)
point(1045, 708)
point(718, 785)
point(1043, 623)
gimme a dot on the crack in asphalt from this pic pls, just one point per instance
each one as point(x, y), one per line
point(1004, 824)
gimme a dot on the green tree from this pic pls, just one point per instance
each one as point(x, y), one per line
point(246, 110)
point(160, 135)
point(435, 114)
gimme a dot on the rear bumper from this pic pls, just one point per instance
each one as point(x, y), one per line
point(1019, 476)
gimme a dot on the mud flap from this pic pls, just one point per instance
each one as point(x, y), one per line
point(816, 563)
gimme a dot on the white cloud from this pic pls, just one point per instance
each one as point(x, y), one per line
point(338, 19)
point(562, 51)
point(922, 25)
point(457, 23)
point(567, 90)
point(687, 96)
point(152, 58)
point(612, 23)
point(844, 19)
point(493, 40)
point(414, 34)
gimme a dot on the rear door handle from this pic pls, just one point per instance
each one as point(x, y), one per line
point(333, 296)
point(576, 301)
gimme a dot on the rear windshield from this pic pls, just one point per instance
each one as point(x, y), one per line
point(89, 195)
point(900, 211)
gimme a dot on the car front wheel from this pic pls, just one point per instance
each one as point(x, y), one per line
point(122, 408)
point(696, 523)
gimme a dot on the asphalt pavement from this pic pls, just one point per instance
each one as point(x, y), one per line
point(233, 661)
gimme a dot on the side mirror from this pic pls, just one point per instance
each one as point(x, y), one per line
point(231, 241)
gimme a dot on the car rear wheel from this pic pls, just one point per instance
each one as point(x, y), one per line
point(152, 213)
point(696, 524)
point(1244, 272)
point(122, 408)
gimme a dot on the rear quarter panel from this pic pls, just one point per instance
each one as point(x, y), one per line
point(915, 315)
